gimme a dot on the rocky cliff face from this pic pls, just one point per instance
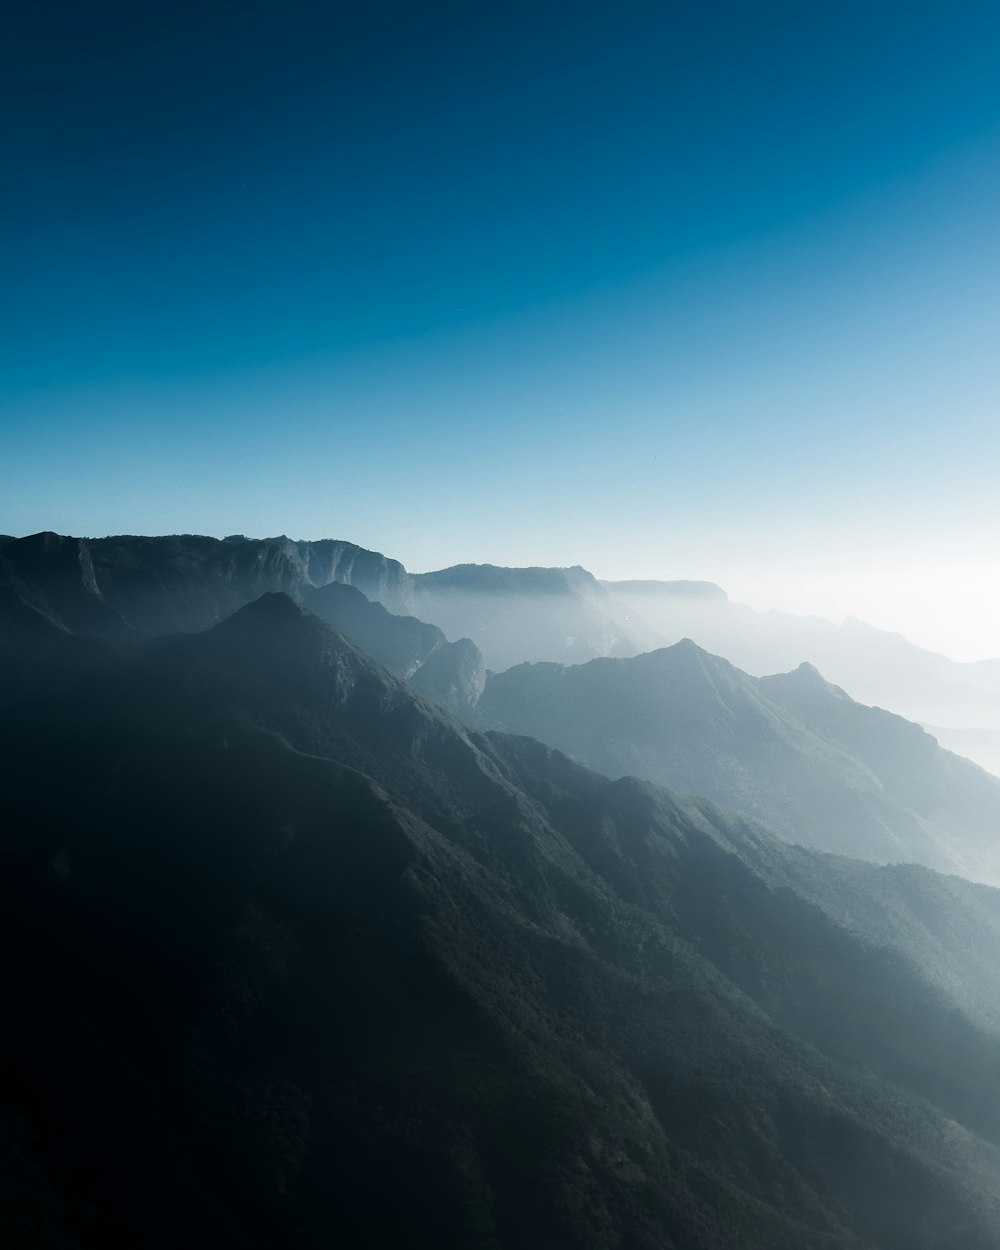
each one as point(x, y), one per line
point(186, 583)
point(114, 587)
point(325, 561)
point(151, 586)
point(132, 587)
point(56, 575)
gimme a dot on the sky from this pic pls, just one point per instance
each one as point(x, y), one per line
point(706, 290)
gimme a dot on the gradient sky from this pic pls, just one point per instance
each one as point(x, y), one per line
point(705, 290)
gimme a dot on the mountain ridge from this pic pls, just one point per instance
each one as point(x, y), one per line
point(791, 750)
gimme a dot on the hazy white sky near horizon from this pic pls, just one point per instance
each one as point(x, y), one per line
point(951, 607)
point(944, 599)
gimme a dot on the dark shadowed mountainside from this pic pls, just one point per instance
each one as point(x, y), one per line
point(450, 673)
point(291, 958)
point(791, 750)
point(131, 585)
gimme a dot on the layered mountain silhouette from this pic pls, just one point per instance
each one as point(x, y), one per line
point(526, 614)
point(450, 673)
point(290, 957)
point(115, 587)
point(959, 703)
point(790, 750)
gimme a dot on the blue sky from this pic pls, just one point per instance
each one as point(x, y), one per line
point(705, 290)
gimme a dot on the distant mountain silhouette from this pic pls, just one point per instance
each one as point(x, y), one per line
point(291, 958)
point(960, 701)
point(676, 590)
point(791, 750)
point(525, 614)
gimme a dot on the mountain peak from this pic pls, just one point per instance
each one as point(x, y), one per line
point(688, 652)
point(686, 661)
point(687, 646)
point(275, 605)
point(804, 680)
point(808, 675)
point(274, 617)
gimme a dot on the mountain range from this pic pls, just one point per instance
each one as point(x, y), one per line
point(292, 957)
point(959, 703)
point(791, 750)
point(157, 585)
